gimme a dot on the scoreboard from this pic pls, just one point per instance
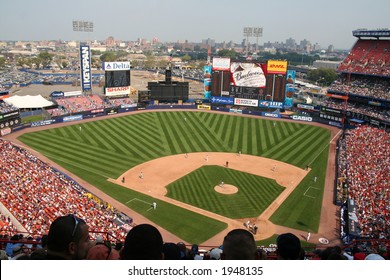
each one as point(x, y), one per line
point(117, 78)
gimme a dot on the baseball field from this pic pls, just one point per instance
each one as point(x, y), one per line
point(267, 159)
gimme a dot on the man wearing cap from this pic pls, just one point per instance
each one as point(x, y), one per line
point(215, 254)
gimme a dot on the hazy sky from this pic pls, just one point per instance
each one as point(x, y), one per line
point(326, 22)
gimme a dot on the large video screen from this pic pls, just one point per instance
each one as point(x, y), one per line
point(247, 74)
point(117, 78)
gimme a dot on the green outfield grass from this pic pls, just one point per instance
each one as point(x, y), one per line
point(105, 149)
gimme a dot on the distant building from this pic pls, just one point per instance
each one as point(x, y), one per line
point(326, 64)
point(330, 49)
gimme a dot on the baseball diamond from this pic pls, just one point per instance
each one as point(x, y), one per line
point(270, 173)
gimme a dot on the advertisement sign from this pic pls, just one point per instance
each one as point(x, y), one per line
point(304, 106)
point(112, 111)
point(5, 131)
point(86, 75)
point(237, 111)
point(221, 63)
point(9, 115)
point(116, 66)
point(270, 104)
point(42, 123)
point(129, 105)
point(112, 91)
point(247, 74)
point(271, 115)
point(374, 103)
point(207, 81)
point(344, 97)
point(72, 118)
point(56, 94)
point(204, 107)
point(222, 100)
point(302, 118)
point(288, 98)
point(290, 76)
point(331, 111)
point(246, 102)
point(276, 67)
point(72, 93)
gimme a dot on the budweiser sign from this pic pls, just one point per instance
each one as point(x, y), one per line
point(247, 74)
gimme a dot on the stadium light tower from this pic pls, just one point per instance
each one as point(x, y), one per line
point(83, 26)
point(257, 32)
point(248, 32)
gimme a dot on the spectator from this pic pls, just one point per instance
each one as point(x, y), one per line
point(239, 244)
point(68, 239)
point(215, 254)
point(19, 252)
point(184, 252)
point(194, 253)
point(171, 251)
point(374, 257)
point(143, 242)
point(3, 255)
point(288, 247)
point(102, 251)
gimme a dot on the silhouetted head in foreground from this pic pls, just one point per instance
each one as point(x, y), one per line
point(288, 247)
point(239, 244)
point(143, 242)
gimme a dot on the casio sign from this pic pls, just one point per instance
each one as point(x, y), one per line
point(302, 118)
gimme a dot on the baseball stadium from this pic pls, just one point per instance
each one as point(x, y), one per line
point(240, 156)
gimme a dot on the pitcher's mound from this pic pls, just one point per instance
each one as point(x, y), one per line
point(226, 189)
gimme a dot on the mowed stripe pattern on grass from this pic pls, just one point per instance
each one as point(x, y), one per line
point(254, 194)
point(106, 148)
point(112, 146)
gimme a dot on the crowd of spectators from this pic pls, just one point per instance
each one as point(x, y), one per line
point(121, 102)
point(370, 57)
point(364, 160)
point(6, 225)
point(376, 112)
point(374, 87)
point(69, 105)
point(56, 112)
point(6, 108)
point(82, 103)
point(35, 194)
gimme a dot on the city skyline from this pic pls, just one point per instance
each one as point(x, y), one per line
point(325, 23)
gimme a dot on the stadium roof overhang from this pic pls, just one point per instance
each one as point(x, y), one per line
point(28, 101)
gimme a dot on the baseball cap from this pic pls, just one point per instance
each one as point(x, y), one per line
point(374, 257)
point(215, 254)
